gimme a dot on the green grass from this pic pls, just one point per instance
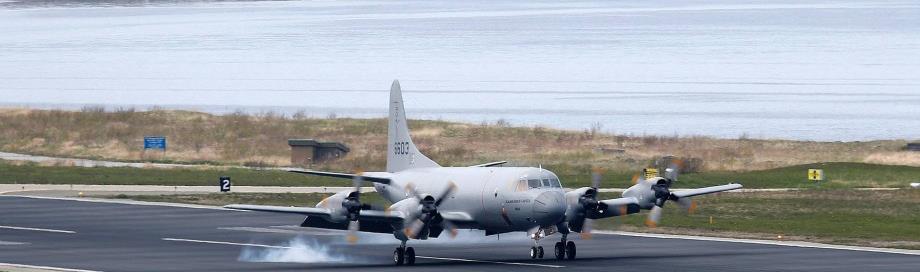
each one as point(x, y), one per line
point(872, 218)
point(839, 216)
point(150, 176)
point(839, 175)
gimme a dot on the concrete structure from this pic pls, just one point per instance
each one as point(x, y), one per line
point(309, 151)
point(913, 147)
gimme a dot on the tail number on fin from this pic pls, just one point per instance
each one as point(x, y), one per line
point(401, 148)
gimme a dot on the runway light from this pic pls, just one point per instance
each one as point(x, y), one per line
point(80, 194)
point(779, 237)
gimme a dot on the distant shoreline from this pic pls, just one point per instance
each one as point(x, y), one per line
point(373, 113)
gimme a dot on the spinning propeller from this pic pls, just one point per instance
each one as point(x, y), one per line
point(663, 193)
point(590, 204)
point(353, 206)
point(428, 212)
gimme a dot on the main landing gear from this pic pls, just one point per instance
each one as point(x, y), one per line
point(404, 255)
point(565, 249)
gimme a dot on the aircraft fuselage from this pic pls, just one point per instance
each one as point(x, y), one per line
point(499, 199)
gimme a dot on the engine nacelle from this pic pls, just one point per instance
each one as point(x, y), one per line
point(643, 192)
point(408, 208)
point(575, 211)
point(334, 204)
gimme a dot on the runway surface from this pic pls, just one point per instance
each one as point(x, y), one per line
point(119, 237)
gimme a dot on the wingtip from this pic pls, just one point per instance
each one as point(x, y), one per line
point(395, 85)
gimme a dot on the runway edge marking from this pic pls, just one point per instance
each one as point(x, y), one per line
point(423, 257)
point(38, 229)
point(39, 267)
point(125, 202)
point(764, 242)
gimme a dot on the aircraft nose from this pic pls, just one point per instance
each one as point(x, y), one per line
point(549, 208)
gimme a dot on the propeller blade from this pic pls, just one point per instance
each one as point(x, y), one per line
point(451, 187)
point(417, 226)
point(586, 229)
point(687, 204)
point(635, 179)
point(353, 227)
point(357, 184)
point(673, 169)
point(449, 227)
point(654, 216)
point(410, 188)
point(596, 177)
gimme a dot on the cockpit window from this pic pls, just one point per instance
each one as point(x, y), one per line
point(546, 183)
point(555, 183)
point(533, 183)
point(520, 185)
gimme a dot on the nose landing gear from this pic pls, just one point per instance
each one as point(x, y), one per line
point(536, 252)
point(404, 255)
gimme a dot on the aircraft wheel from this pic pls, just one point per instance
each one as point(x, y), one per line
point(570, 250)
point(533, 252)
point(540, 252)
point(410, 256)
point(560, 251)
point(399, 256)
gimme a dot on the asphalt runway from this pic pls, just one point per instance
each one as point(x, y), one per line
point(119, 237)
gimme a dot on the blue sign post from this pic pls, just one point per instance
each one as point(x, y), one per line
point(155, 142)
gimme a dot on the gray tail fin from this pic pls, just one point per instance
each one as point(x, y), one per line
point(401, 152)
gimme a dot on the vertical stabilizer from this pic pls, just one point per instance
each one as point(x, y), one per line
point(401, 152)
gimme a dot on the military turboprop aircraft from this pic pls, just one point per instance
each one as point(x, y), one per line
point(429, 199)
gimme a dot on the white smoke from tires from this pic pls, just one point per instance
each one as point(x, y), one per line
point(297, 250)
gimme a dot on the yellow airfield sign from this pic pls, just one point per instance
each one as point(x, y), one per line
point(650, 173)
point(815, 174)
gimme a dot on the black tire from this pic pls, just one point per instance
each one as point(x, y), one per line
point(540, 252)
point(560, 251)
point(570, 250)
point(399, 257)
point(533, 252)
point(410, 256)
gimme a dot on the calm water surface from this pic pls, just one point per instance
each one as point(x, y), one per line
point(815, 70)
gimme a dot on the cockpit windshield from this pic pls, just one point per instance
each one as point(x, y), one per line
point(533, 183)
point(547, 181)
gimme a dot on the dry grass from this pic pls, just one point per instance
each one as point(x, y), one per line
point(262, 139)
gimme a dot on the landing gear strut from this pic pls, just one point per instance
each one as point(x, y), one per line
point(404, 255)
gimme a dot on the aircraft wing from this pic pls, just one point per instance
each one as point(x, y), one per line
point(617, 207)
point(490, 164)
point(369, 215)
point(367, 176)
point(706, 190)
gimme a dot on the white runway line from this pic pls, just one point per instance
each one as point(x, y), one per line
point(422, 257)
point(39, 267)
point(38, 229)
point(224, 243)
point(764, 242)
point(492, 262)
point(304, 231)
point(126, 202)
